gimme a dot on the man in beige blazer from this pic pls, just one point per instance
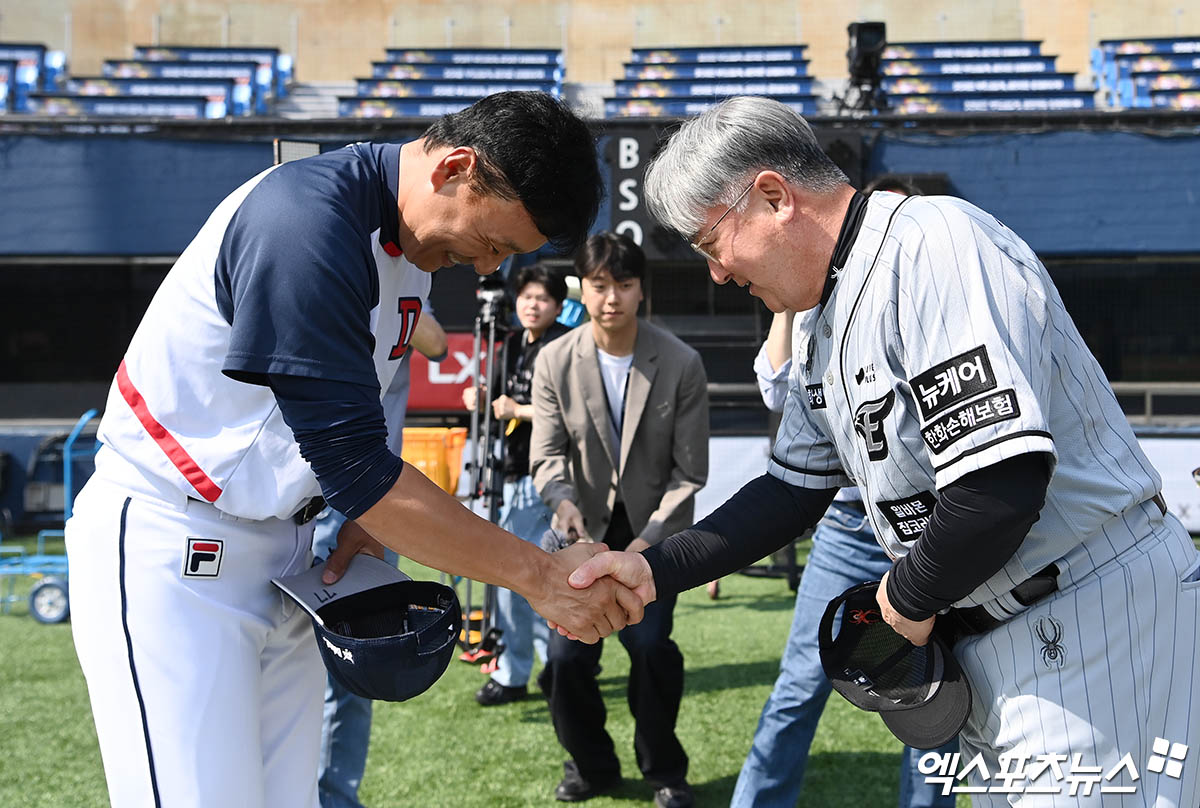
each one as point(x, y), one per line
point(619, 450)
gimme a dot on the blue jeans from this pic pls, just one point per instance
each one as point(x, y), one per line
point(844, 554)
point(522, 630)
point(346, 727)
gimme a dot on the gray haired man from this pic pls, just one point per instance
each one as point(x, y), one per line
point(943, 376)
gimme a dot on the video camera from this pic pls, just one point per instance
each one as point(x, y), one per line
point(495, 302)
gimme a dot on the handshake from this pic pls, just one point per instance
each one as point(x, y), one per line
point(591, 592)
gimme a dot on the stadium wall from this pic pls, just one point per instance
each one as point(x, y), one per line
point(1068, 192)
point(335, 41)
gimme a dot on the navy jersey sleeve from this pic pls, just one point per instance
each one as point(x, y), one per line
point(296, 279)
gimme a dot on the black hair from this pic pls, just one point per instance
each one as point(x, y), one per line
point(533, 148)
point(614, 252)
point(553, 282)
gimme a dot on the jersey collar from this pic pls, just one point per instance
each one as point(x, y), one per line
point(845, 240)
point(389, 221)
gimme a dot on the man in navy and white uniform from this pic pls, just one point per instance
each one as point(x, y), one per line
point(252, 389)
point(942, 375)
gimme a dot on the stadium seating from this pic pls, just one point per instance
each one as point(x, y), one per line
point(1157, 72)
point(435, 81)
point(181, 82)
point(662, 82)
point(977, 76)
point(27, 68)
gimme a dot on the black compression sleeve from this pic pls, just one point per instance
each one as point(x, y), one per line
point(343, 436)
point(978, 523)
point(763, 516)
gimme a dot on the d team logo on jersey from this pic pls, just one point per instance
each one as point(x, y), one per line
point(868, 423)
point(953, 381)
point(908, 516)
point(203, 558)
point(410, 313)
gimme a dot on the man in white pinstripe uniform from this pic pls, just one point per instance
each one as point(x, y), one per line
point(942, 375)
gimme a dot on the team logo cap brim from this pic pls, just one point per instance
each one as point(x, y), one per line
point(381, 634)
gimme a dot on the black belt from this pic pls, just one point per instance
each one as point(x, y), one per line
point(310, 510)
point(306, 514)
point(959, 623)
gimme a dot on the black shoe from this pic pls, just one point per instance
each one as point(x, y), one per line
point(493, 693)
point(575, 788)
point(676, 796)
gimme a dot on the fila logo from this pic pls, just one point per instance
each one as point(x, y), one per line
point(410, 313)
point(203, 558)
point(868, 423)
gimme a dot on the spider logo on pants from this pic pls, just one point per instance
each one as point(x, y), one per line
point(1050, 632)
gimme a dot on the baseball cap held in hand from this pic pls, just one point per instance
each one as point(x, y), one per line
point(919, 691)
point(382, 635)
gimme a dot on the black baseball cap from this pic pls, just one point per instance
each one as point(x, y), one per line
point(919, 691)
point(382, 635)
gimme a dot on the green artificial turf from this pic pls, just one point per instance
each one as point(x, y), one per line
point(442, 749)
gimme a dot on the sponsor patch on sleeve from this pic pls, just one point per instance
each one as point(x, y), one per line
point(816, 396)
point(957, 424)
point(953, 381)
point(908, 516)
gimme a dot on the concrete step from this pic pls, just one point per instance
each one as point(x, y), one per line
point(313, 99)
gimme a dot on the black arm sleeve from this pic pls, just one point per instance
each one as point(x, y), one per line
point(763, 516)
point(978, 523)
point(342, 435)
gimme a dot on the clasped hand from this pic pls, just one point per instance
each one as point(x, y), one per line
point(596, 571)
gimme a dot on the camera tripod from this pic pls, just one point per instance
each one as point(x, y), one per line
point(480, 636)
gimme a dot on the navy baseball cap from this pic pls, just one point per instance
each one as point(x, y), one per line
point(919, 691)
point(382, 635)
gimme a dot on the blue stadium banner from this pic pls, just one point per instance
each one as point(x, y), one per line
point(354, 107)
point(251, 74)
point(684, 107)
point(974, 49)
point(406, 70)
point(992, 102)
point(225, 90)
point(720, 55)
point(678, 70)
point(1175, 99)
point(1162, 45)
point(23, 52)
point(180, 108)
point(711, 89)
point(1154, 63)
point(967, 67)
point(280, 64)
point(476, 56)
point(1177, 80)
point(1027, 83)
point(403, 88)
point(1136, 90)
